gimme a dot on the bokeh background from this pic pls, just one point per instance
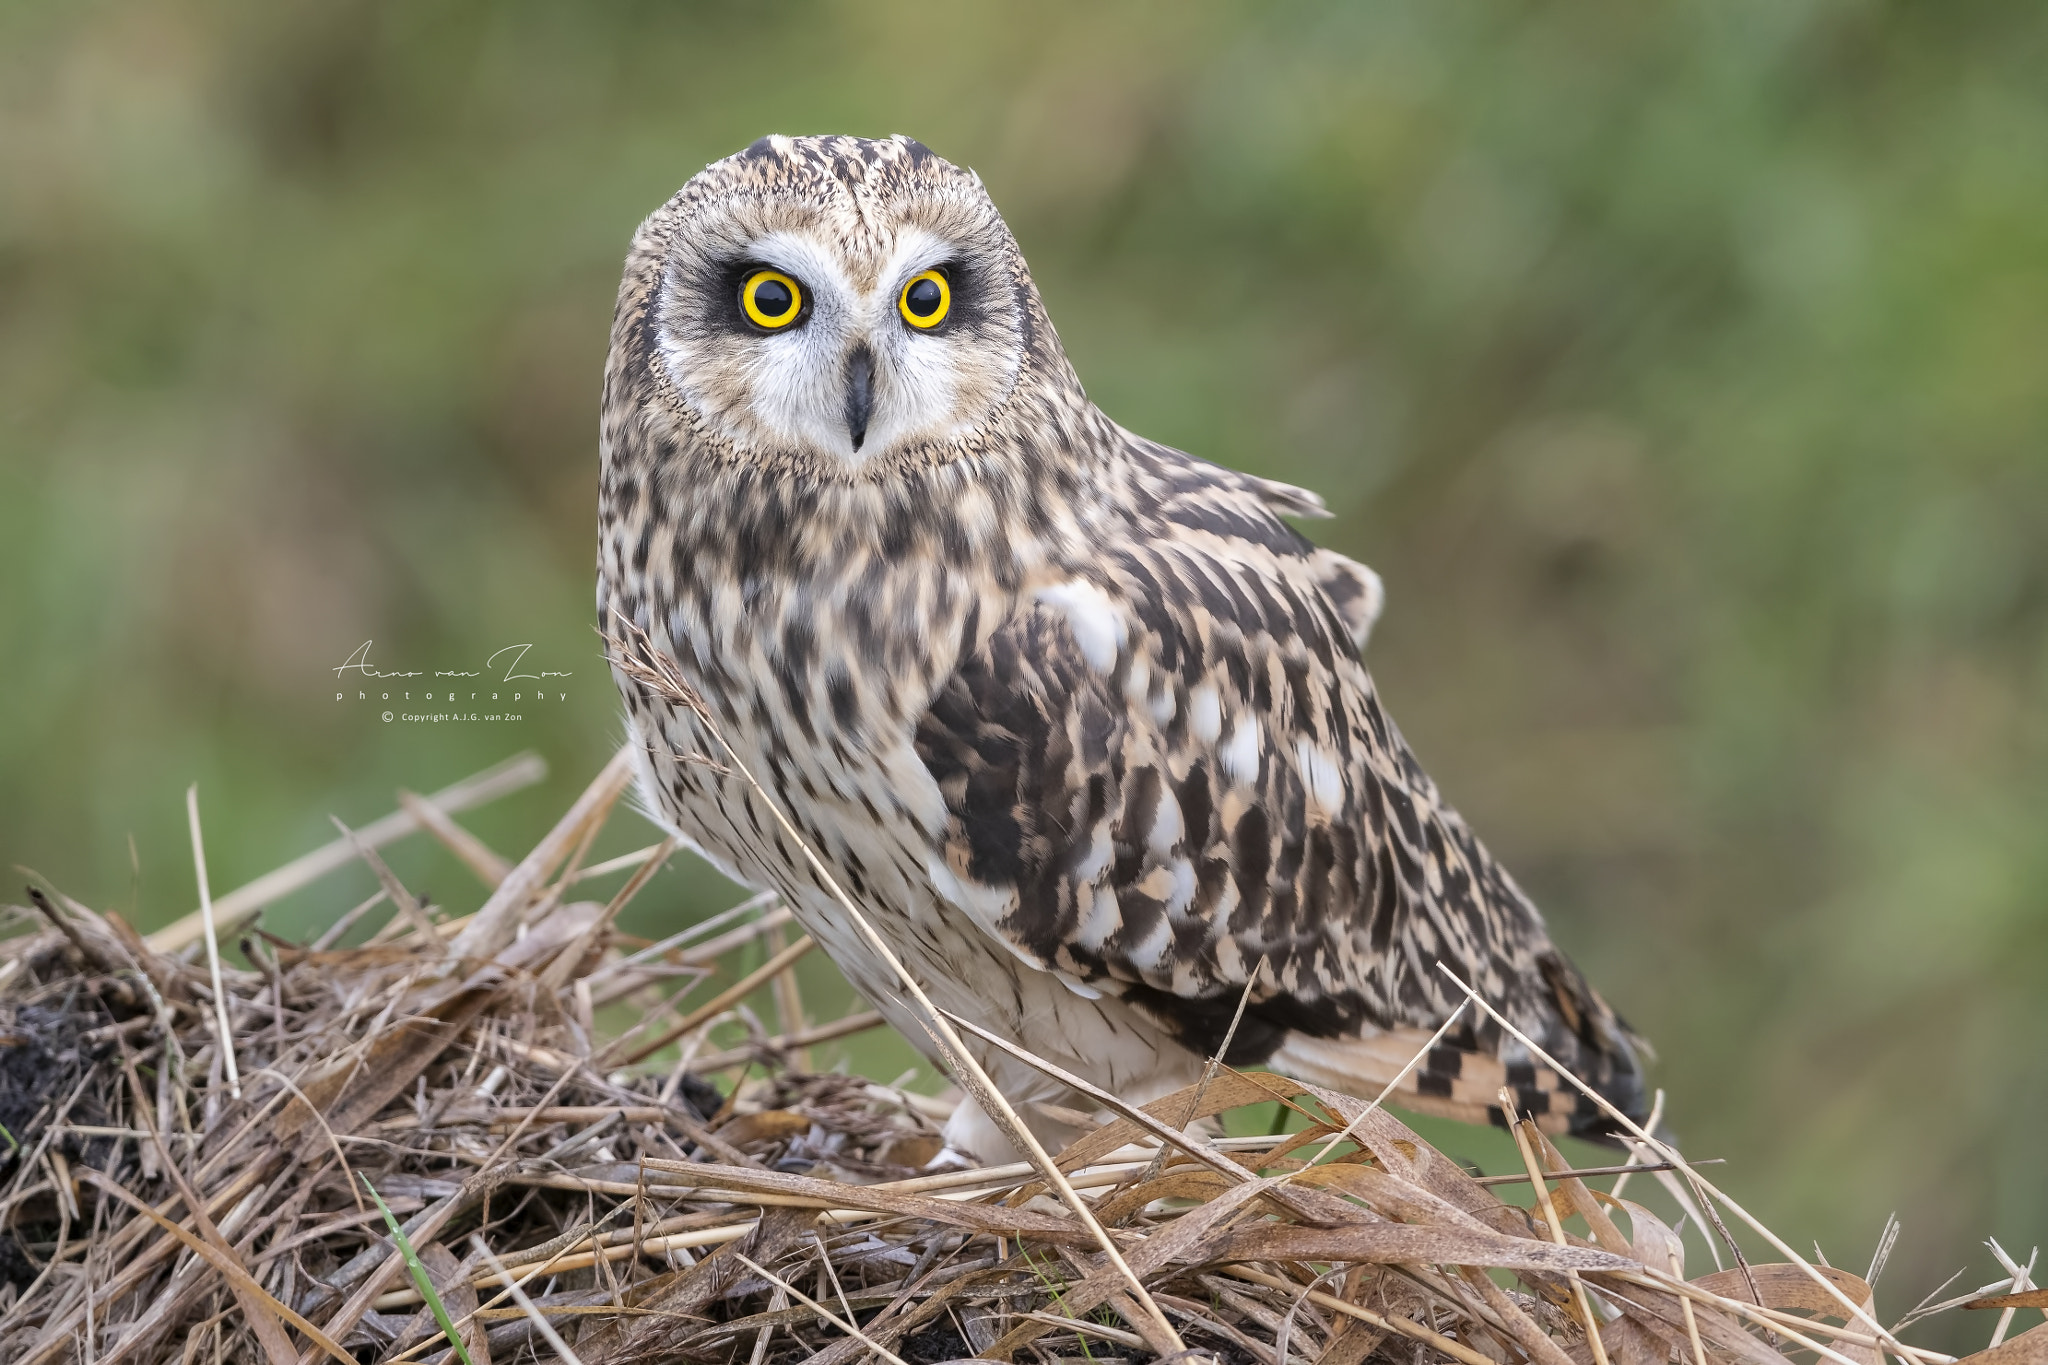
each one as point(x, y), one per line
point(1680, 365)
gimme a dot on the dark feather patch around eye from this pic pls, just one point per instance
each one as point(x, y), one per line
point(701, 298)
point(711, 301)
point(968, 306)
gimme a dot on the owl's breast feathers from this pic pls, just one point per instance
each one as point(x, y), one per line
point(1169, 765)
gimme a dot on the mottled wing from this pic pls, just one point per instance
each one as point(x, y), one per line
point(1174, 765)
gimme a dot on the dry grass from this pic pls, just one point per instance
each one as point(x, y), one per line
point(561, 1202)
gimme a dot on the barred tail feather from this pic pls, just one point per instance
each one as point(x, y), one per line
point(1461, 1076)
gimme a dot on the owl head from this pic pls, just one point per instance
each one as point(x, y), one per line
point(840, 303)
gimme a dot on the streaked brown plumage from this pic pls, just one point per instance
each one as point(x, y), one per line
point(1080, 720)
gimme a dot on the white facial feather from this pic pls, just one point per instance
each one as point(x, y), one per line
point(796, 378)
point(788, 389)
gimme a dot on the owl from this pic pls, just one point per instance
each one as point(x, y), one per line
point(1079, 721)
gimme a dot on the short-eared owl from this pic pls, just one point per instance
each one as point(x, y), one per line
point(1078, 719)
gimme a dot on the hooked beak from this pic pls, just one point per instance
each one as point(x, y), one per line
point(860, 393)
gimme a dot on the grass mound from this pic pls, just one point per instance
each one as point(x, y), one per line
point(422, 1148)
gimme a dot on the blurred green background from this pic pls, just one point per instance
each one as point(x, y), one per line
point(1681, 366)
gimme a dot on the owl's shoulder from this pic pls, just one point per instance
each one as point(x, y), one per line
point(1204, 518)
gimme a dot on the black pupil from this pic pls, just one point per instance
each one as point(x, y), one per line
point(923, 298)
point(773, 298)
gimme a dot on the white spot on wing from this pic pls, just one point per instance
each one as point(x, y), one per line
point(1099, 918)
point(1149, 953)
point(1167, 826)
point(1097, 862)
point(1370, 608)
point(1205, 713)
point(1219, 917)
point(1097, 625)
point(1180, 886)
point(1320, 776)
point(1138, 681)
point(1241, 754)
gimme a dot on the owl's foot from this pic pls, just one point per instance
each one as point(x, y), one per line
point(977, 1137)
point(951, 1158)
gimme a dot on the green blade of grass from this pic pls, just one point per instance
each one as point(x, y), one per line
point(419, 1274)
point(1053, 1290)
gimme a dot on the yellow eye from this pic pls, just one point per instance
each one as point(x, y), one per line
point(926, 300)
point(771, 299)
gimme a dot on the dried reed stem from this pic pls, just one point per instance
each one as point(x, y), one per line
point(226, 1033)
point(231, 910)
point(1544, 1202)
